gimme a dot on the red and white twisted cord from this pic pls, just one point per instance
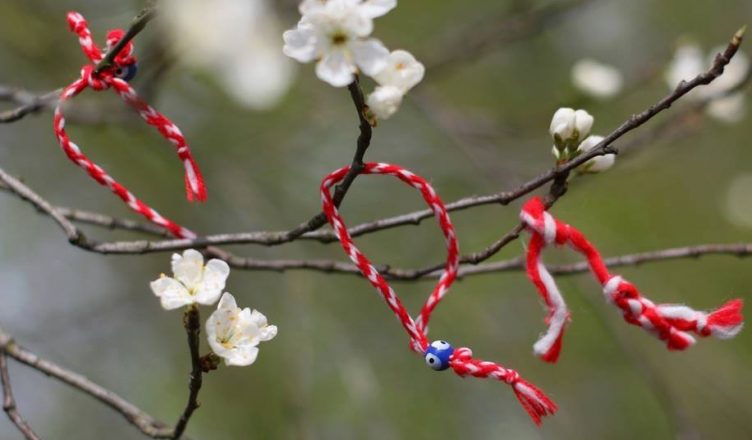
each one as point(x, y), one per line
point(535, 402)
point(669, 322)
point(194, 182)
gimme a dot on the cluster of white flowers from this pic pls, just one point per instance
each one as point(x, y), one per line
point(233, 334)
point(596, 79)
point(336, 34)
point(689, 61)
point(570, 131)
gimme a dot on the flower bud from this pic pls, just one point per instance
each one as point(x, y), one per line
point(567, 128)
point(583, 122)
point(562, 124)
point(384, 101)
point(599, 163)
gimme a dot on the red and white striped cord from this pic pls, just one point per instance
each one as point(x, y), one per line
point(535, 402)
point(669, 322)
point(194, 182)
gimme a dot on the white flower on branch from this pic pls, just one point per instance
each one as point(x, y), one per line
point(599, 163)
point(401, 73)
point(236, 41)
point(568, 128)
point(333, 33)
point(194, 282)
point(597, 79)
point(689, 62)
point(234, 333)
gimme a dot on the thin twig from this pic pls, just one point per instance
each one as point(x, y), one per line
point(9, 402)
point(32, 103)
point(137, 25)
point(470, 269)
point(140, 419)
point(25, 193)
point(192, 324)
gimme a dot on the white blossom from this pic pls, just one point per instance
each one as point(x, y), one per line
point(236, 41)
point(333, 33)
point(729, 109)
point(599, 163)
point(369, 8)
point(570, 126)
point(688, 62)
point(402, 71)
point(597, 79)
point(193, 281)
point(384, 101)
point(234, 333)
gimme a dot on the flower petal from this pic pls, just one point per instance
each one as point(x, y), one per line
point(213, 282)
point(377, 8)
point(172, 294)
point(300, 43)
point(369, 55)
point(188, 268)
point(259, 319)
point(266, 332)
point(402, 71)
point(241, 356)
point(227, 302)
point(335, 69)
point(385, 101)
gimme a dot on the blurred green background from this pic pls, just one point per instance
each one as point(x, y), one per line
point(340, 367)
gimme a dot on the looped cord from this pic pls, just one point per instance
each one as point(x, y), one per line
point(461, 361)
point(107, 78)
point(669, 322)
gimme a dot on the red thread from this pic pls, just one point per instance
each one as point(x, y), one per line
point(669, 322)
point(194, 181)
point(535, 402)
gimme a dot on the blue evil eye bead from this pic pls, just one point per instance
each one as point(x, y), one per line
point(438, 354)
point(126, 73)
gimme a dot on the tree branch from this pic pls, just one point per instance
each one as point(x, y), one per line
point(30, 102)
point(363, 142)
point(556, 174)
point(140, 419)
point(192, 324)
point(9, 403)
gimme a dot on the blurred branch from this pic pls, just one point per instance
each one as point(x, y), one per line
point(141, 420)
point(9, 403)
point(30, 102)
point(477, 39)
point(192, 324)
